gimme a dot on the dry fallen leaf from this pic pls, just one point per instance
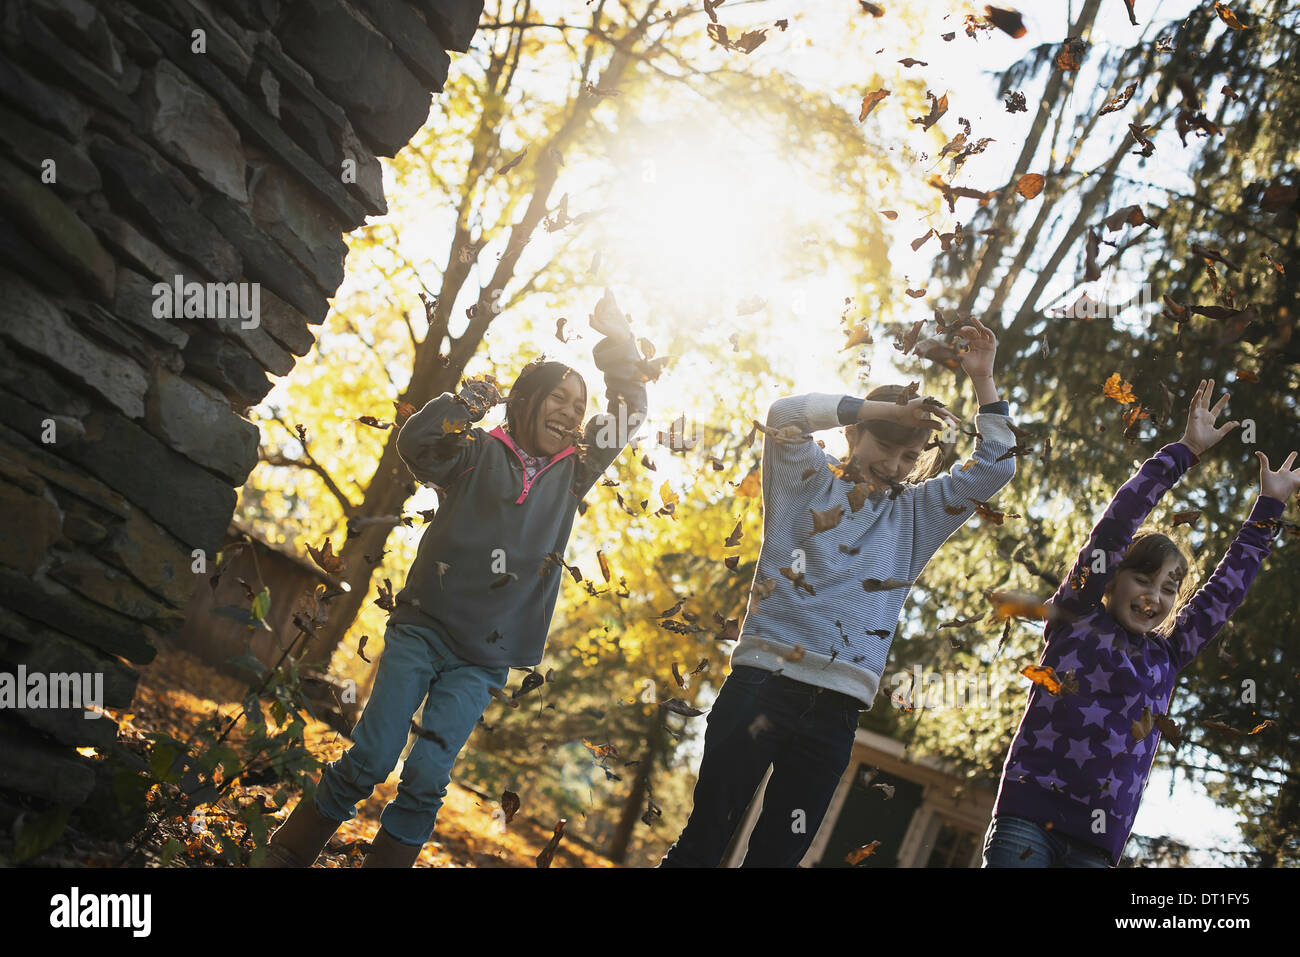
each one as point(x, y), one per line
point(861, 854)
point(869, 103)
point(1030, 185)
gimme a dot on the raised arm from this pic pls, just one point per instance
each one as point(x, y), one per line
point(438, 442)
point(941, 505)
point(617, 357)
point(1100, 556)
point(1215, 601)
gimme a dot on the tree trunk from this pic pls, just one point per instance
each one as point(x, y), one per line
point(635, 804)
point(392, 484)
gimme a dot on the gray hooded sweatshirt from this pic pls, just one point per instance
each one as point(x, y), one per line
point(493, 530)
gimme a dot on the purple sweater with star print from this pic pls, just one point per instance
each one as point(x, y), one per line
point(1074, 764)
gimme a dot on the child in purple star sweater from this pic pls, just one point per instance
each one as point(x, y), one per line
point(1076, 770)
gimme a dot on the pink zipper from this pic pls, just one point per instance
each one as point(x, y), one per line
point(504, 436)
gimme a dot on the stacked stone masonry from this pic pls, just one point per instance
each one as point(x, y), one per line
point(220, 141)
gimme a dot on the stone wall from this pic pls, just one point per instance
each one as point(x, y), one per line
point(220, 141)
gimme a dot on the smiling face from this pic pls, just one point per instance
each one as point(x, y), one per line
point(885, 461)
point(556, 413)
point(1141, 600)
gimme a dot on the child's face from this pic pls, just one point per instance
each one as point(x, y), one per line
point(885, 461)
point(559, 411)
point(1141, 601)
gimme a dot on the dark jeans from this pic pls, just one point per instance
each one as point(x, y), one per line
point(760, 719)
point(1018, 842)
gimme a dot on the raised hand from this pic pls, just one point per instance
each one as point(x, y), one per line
point(1280, 483)
point(919, 411)
point(1201, 432)
point(609, 320)
point(978, 359)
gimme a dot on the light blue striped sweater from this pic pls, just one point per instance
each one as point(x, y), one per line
point(892, 538)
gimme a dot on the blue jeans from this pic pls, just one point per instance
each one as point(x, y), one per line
point(761, 719)
point(1018, 842)
point(415, 663)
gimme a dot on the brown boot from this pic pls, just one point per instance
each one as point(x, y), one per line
point(299, 840)
point(388, 851)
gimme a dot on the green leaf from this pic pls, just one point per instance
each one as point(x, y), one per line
point(171, 849)
point(262, 604)
point(40, 831)
point(160, 762)
point(248, 663)
point(234, 612)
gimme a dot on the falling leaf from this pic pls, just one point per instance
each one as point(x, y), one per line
point(1091, 270)
point(1012, 603)
point(761, 589)
point(938, 107)
point(604, 564)
point(1213, 255)
point(875, 584)
point(1169, 729)
point(1030, 185)
point(1143, 725)
point(795, 654)
point(1227, 16)
point(1118, 390)
point(361, 649)
point(504, 580)
point(402, 412)
point(1015, 102)
point(908, 62)
point(921, 240)
point(509, 805)
point(532, 681)
point(678, 706)
point(1132, 215)
point(1043, 675)
point(1189, 517)
point(513, 163)
point(858, 496)
point(1267, 723)
point(889, 214)
point(1119, 100)
point(1070, 56)
point(988, 513)
point(750, 486)
point(601, 752)
point(861, 854)
point(734, 538)
point(798, 580)
point(326, 559)
point(870, 101)
point(824, 521)
point(1008, 21)
point(875, 9)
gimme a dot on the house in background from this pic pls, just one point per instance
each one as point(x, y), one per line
point(922, 825)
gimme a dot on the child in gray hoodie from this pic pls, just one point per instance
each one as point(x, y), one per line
point(479, 596)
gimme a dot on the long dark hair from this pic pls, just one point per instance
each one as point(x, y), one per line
point(534, 383)
point(1146, 554)
point(927, 465)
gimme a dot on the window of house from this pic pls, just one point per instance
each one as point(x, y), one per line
point(953, 846)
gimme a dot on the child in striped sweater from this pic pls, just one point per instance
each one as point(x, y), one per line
point(836, 564)
point(1124, 626)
